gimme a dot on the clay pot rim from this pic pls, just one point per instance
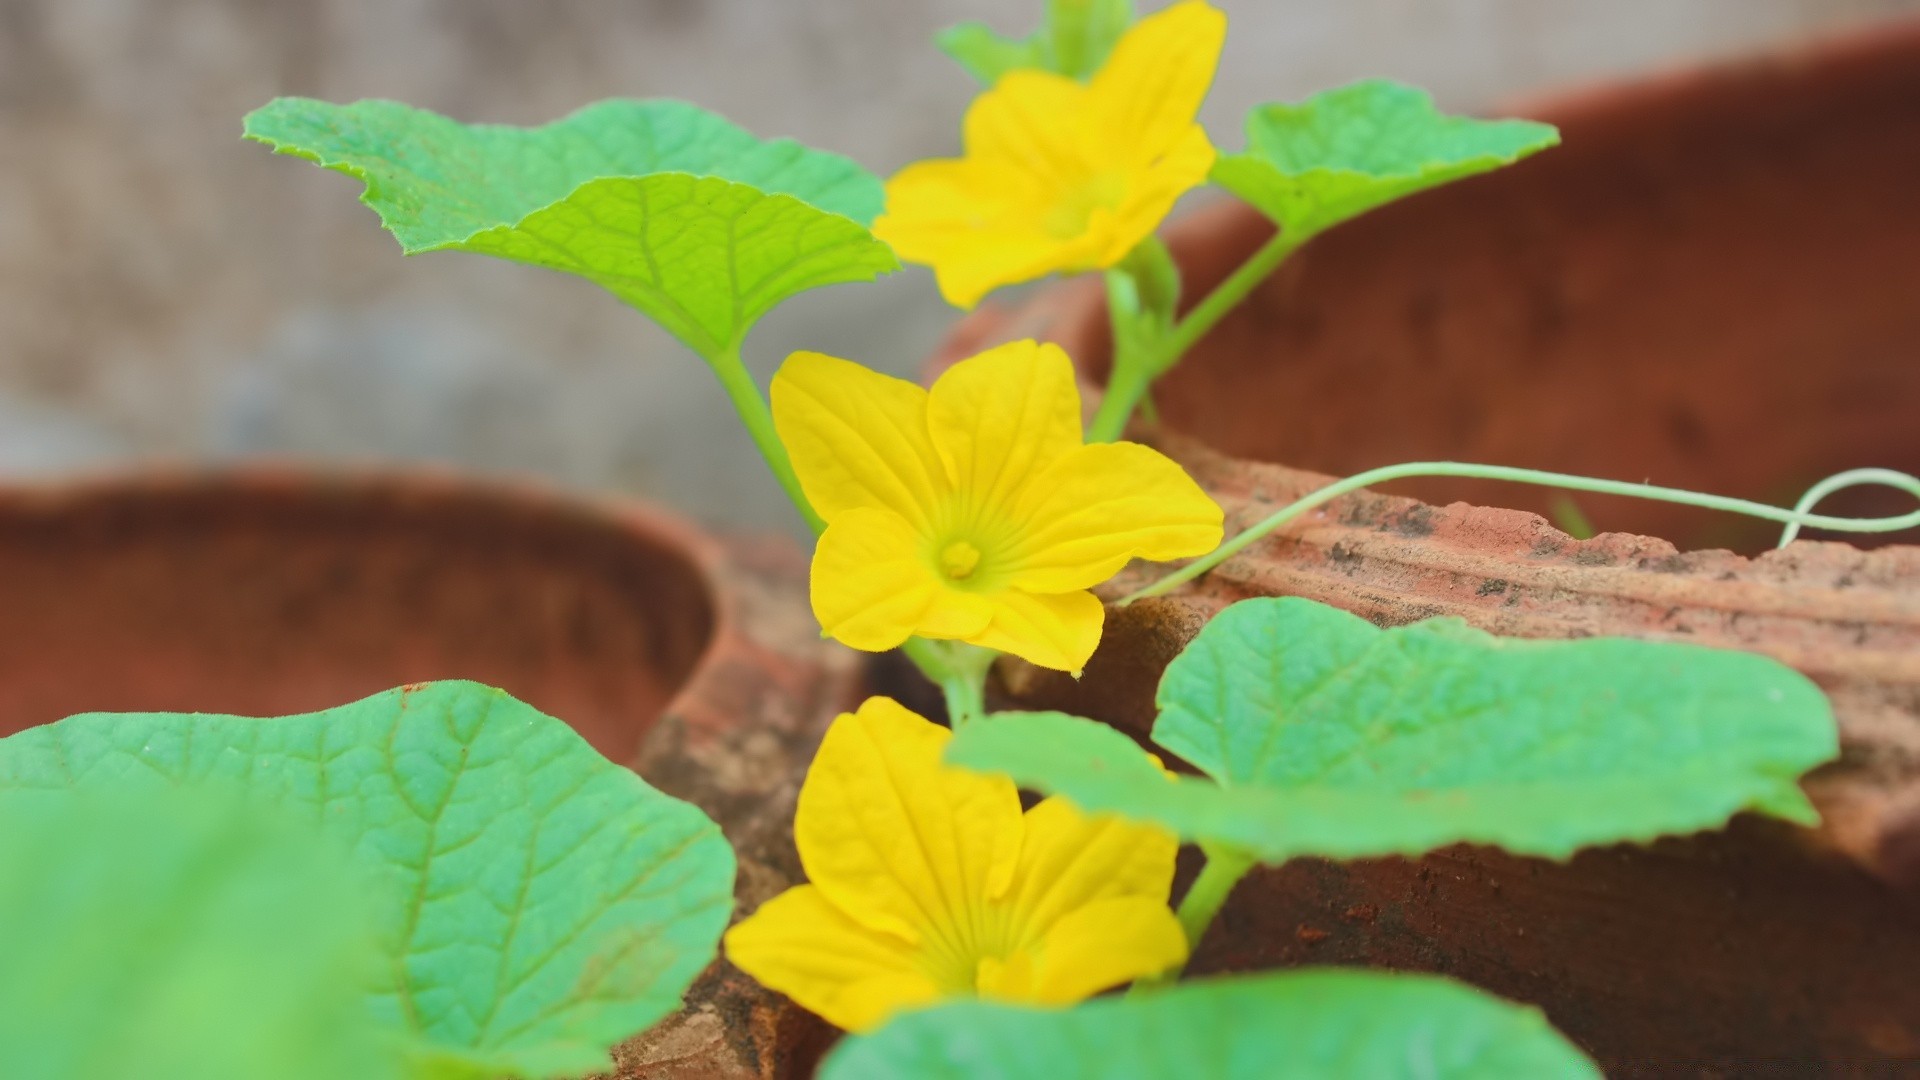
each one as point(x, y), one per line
point(519, 495)
point(755, 699)
point(1642, 89)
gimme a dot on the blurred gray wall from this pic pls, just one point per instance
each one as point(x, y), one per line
point(167, 291)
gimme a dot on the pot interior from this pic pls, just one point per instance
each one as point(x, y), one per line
point(1713, 284)
point(262, 596)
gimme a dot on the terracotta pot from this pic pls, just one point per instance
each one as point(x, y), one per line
point(1711, 285)
point(267, 592)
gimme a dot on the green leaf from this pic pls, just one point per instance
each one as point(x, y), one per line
point(1075, 41)
point(1324, 735)
point(1103, 771)
point(1299, 1025)
point(987, 55)
point(167, 937)
point(671, 208)
point(533, 902)
point(1344, 152)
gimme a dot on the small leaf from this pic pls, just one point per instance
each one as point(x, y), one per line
point(669, 207)
point(1344, 152)
point(1297, 1025)
point(166, 937)
point(1081, 33)
point(534, 903)
point(1327, 736)
point(1075, 41)
point(987, 55)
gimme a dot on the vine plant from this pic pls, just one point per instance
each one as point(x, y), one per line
point(442, 882)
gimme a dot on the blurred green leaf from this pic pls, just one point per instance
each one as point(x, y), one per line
point(988, 55)
point(166, 936)
point(671, 208)
point(533, 903)
point(1324, 735)
point(1344, 152)
point(1298, 1025)
point(1074, 41)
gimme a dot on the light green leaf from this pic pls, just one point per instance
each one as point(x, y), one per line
point(987, 55)
point(671, 208)
point(1325, 735)
point(1103, 771)
point(1298, 1025)
point(1344, 152)
point(1075, 41)
point(167, 937)
point(533, 902)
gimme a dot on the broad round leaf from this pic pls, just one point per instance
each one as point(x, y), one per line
point(1325, 735)
point(533, 902)
point(670, 207)
point(1300, 1025)
point(1343, 152)
point(165, 936)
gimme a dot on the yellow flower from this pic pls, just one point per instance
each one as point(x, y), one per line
point(929, 883)
point(1061, 176)
point(973, 512)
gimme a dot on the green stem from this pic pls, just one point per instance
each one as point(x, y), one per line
point(747, 400)
point(1228, 294)
point(966, 699)
point(959, 669)
point(1127, 383)
point(1222, 871)
point(1134, 369)
point(1546, 479)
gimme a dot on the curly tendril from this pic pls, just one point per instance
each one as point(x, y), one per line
point(1801, 516)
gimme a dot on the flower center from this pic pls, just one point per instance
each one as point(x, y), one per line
point(1072, 213)
point(1009, 979)
point(958, 560)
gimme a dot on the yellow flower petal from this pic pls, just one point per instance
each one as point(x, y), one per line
point(1100, 506)
point(979, 224)
point(1104, 944)
point(1154, 190)
point(999, 418)
point(898, 842)
point(873, 585)
point(799, 944)
point(1058, 630)
point(857, 438)
point(932, 203)
point(1070, 859)
point(974, 262)
point(1151, 87)
point(1036, 120)
point(871, 588)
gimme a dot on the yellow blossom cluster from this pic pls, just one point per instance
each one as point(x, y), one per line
point(975, 511)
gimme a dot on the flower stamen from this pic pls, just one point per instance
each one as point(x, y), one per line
point(958, 560)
